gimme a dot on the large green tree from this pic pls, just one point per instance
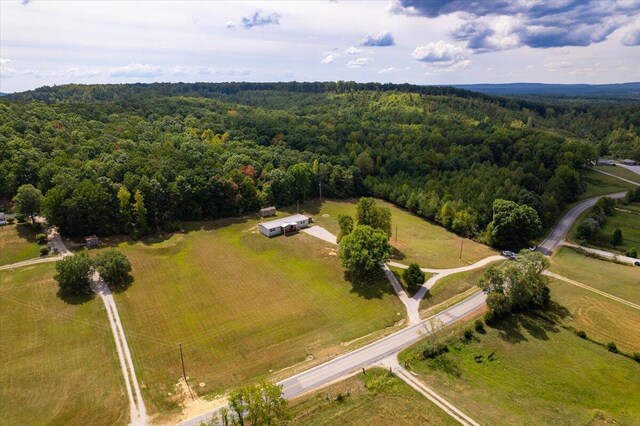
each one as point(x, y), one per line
point(514, 225)
point(364, 249)
point(74, 274)
point(346, 226)
point(377, 217)
point(258, 405)
point(413, 276)
point(114, 268)
point(27, 201)
point(518, 284)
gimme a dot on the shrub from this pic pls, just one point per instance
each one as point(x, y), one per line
point(11, 221)
point(491, 317)
point(432, 350)
point(636, 357)
point(632, 252)
point(612, 347)
point(479, 326)
point(413, 276)
point(41, 238)
point(44, 250)
point(581, 334)
point(468, 334)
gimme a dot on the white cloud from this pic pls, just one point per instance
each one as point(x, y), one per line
point(4, 61)
point(557, 66)
point(136, 70)
point(330, 58)
point(439, 52)
point(388, 70)
point(353, 51)
point(231, 24)
point(360, 62)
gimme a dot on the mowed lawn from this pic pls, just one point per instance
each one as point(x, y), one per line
point(17, 242)
point(620, 280)
point(450, 288)
point(375, 399)
point(621, 172)
point(600, 184)
point(418, 240)
point(541, 374)
point(243, 306)
point(625, 218)
point(604, 320)
point(58, 363)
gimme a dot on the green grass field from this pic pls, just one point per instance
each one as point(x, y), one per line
point(541, 374)
point(627, 218)
point(429, 245)
point(242, 305)
point(604, 320)
point(620, 280)
point(599, 184)
point(621, 172)
point(17, 242)
point(375, 399)
point(449, 287)
point(58, 363)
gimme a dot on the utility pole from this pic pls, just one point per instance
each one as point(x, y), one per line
point(461, 243)
point(396, 233)
point(184, 374)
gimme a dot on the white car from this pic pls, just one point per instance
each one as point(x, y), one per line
point(509, 254)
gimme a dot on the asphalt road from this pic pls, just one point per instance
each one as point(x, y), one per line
point(353, 362)
point(560, 230)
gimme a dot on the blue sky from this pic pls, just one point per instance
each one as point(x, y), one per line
point(417, 41)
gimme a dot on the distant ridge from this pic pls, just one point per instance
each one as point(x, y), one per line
point(622, 90)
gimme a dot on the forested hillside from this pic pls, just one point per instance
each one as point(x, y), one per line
point(132, 158)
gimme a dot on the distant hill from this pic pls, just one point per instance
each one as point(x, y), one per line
point(615, 91)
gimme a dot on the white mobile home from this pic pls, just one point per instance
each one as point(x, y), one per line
point(284, 226)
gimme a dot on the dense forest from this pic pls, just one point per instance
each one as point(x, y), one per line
point(133, 158)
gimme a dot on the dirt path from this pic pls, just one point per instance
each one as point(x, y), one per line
point(594, 290)
point(408, 377)
point(137, 409)
point(30, 262)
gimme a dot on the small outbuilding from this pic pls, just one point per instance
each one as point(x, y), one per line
point(268, 211)
point(605, 162)
point(285, 225)
point(91, 241)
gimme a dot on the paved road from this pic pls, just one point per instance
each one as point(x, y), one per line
point(366, 356)
point(560, 230)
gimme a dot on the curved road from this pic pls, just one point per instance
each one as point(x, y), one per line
point(562, 227)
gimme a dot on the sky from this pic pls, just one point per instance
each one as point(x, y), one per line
point(47, 42)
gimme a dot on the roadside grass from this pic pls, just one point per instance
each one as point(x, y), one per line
point(541, 373)
point(419, 241)
point(619, 280)
point(243, 306)
point(448, 288)
point(621, 172)
point(604, 320)
point(599, 184)
point(627, 221)
point(375, 399)
point(17, 243)
point(58, 363)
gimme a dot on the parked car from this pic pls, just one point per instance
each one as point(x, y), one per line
point(509, 254)
point(3, 219)
point(637, 263)
point(533, 248)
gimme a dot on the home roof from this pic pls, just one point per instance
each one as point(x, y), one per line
point(284, 221)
